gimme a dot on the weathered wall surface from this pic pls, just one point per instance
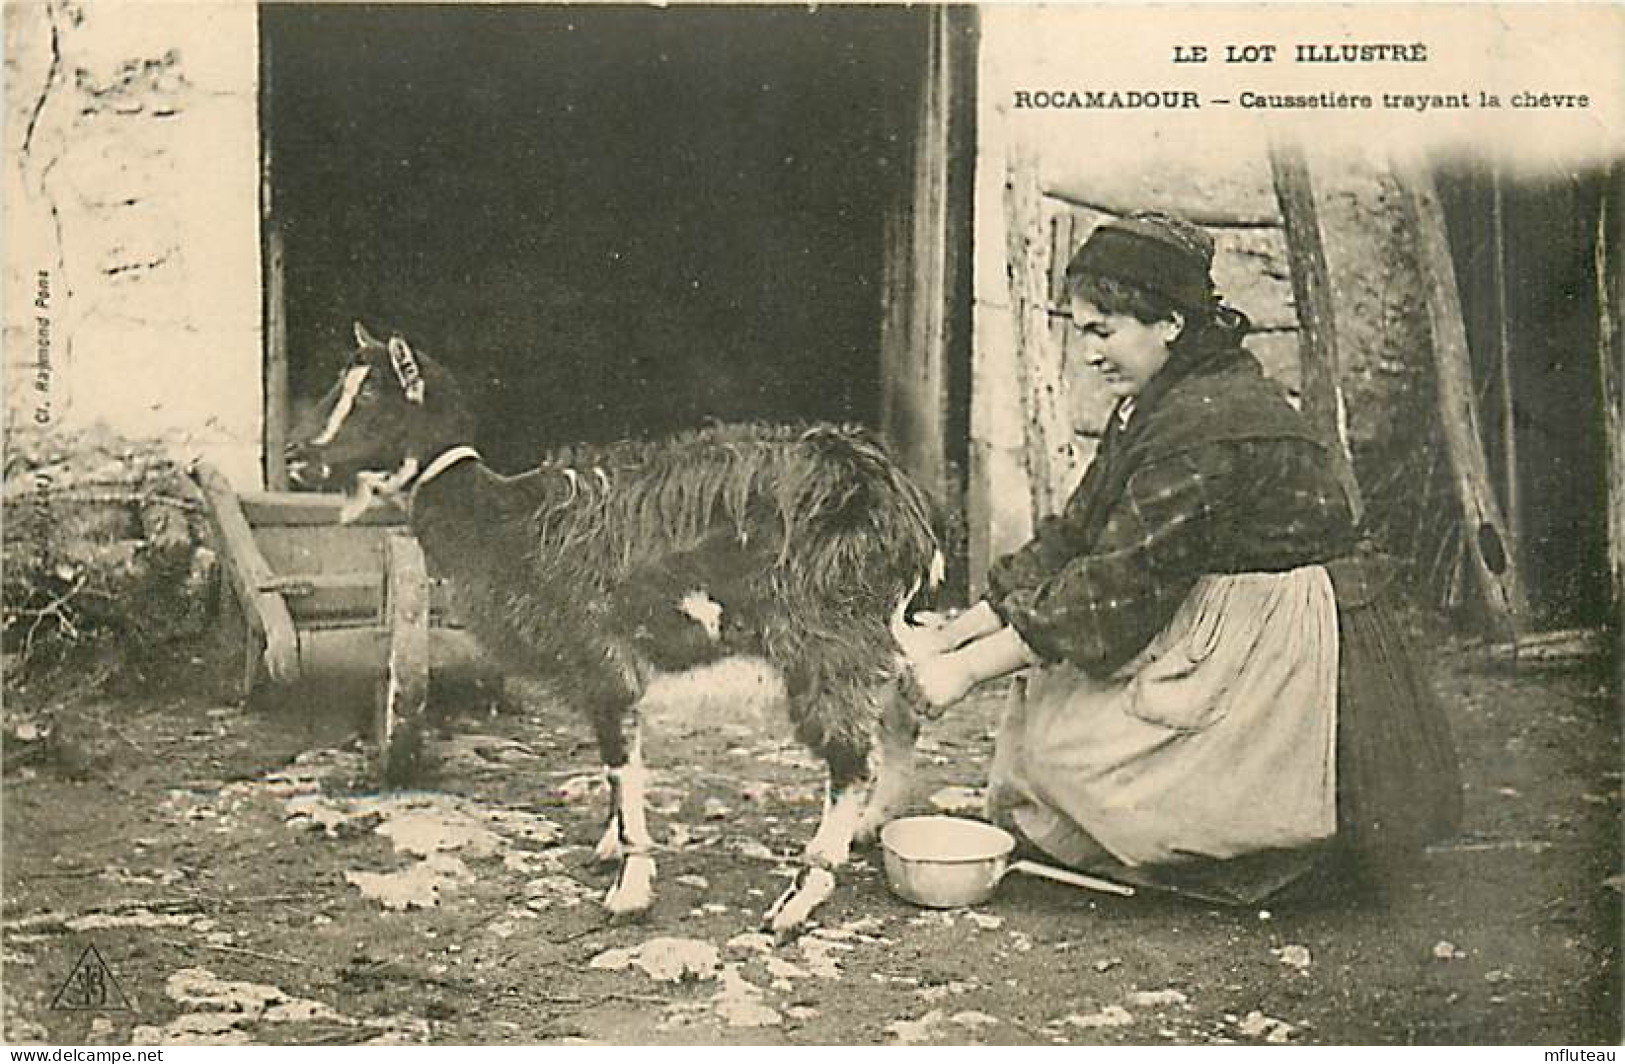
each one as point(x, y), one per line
point(132, 287)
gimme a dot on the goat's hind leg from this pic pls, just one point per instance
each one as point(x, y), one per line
point(831, 846)
point(626, 837)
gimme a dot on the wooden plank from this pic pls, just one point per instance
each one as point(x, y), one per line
point(404, 694)
point(311, 508)
point(317, 549)
point(1317, 312)
point(1495, 569)
point(267, 614)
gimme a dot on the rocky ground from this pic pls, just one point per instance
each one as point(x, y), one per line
point(240, 883)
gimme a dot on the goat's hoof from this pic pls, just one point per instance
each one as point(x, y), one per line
point(810, 889)
point(633, 891)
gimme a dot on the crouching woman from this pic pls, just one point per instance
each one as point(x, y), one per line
point(1216, 694)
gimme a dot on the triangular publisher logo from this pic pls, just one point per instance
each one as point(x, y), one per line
point(91, 986)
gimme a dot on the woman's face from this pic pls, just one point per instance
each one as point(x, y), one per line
point(1125, 350)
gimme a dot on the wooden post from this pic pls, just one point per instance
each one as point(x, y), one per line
point(1611, 368)
point(274, 310)
point(1483, 529)
point(403, 693)
point(927, 263)
point(276, 360)
point(1317, 313)
point(1503, 350)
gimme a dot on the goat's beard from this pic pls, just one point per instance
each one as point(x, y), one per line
point(371, 484)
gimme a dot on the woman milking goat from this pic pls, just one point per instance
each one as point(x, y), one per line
point(1215, 693)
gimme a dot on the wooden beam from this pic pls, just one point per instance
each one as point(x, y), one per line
point(1207, 219)
point(1610, 267)
point(1511, 494)
point(1317, 312)
point(274, 309)
point(269, 623)
point(1485, 533)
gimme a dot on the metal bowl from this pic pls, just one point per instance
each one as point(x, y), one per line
point(944, 862)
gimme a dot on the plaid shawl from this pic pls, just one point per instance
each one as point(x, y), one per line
point(1214, 473)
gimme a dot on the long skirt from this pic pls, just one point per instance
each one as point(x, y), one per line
point(1208, 764)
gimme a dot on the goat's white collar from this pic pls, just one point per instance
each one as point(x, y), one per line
point(445, 461)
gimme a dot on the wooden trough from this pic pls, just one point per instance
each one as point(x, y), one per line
point(325, 604)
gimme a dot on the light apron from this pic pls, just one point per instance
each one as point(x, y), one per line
point(1217, 742)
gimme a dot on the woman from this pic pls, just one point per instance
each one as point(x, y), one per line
point(1182, 727)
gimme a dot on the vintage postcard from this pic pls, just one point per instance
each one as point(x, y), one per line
point(812, 524)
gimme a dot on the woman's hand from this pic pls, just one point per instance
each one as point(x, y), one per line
point(942, 679)
point(925, 636)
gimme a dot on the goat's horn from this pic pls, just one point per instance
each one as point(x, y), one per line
point(363, 338)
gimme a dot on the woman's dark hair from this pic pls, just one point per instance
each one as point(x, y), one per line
point(1115, 297)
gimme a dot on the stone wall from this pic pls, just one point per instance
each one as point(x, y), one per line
point(133, 281)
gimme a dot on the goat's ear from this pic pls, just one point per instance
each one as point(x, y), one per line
point(363, 338)
point(407, 370)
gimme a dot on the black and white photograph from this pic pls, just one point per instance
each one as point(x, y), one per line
point(599, 524)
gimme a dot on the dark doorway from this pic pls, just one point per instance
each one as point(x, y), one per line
point(611, 221)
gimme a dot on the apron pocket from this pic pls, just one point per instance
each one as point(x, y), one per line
point(1208, 645)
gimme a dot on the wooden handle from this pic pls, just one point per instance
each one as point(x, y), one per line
point(1076, 879)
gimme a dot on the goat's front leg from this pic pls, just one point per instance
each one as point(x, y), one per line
point(830, 847)
point(626, 837)
point(899, 728)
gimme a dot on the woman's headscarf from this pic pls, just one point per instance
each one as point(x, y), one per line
point(1159, 254)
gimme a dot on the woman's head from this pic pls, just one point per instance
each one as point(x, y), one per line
point(1136, 287)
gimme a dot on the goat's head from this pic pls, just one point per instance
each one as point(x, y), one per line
point(391, 411)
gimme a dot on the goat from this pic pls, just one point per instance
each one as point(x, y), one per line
point(800, 547)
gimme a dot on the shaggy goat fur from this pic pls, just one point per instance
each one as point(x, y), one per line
point(607, 566)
